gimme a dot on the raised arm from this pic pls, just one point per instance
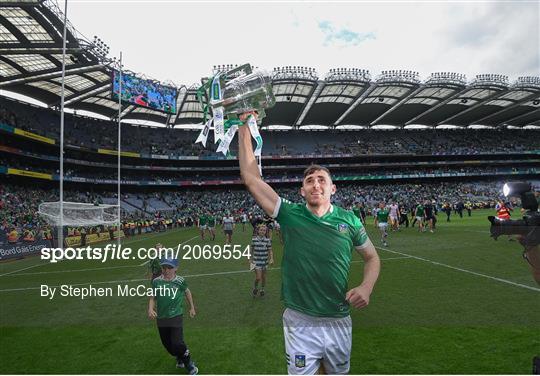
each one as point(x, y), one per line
point(263, 194)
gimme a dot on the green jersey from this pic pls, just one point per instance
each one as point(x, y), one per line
point(382, 215)
point(154, 266)
point(168, 305)
point(203, 220)
point(420, 211)
point(316, 258)
point(212, 221)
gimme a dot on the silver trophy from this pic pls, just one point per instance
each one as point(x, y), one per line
point(228, 94)
point(237, 91)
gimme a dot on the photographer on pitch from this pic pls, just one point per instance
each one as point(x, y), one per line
point(526, 229)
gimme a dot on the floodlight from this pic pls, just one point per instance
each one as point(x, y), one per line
point(516, 188)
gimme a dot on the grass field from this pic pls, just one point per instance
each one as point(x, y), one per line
point(452, 302)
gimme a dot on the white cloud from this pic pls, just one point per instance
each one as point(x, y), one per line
point(182, 41)
point(342, 37)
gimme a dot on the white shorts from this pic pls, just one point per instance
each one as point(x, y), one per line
point(311, 340)
point(383, 225)
point(203, 227)
point(420, 219)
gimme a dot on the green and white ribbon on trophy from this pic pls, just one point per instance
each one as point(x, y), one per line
point(217, 119)
point(229, 94)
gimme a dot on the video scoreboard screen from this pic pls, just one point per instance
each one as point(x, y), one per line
point(145, 93)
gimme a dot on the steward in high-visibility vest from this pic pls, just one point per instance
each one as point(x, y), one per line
point(13, 236)
point(29, 236)
point(502, 211)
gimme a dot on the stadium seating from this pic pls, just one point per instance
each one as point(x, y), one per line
point(93, 133)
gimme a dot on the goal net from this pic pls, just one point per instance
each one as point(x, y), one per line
point(79, 214)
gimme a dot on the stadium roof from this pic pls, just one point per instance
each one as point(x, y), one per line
point(31, 64)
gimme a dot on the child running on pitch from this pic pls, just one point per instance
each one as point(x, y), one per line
point(167, 307)
point(261, 256)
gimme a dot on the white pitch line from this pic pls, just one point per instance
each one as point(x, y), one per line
point(79, 270)
point(47, 263)
point(185, 276)
point(392, 258)
point(20, 270)
point(187, 241)
point(76, 284)
point(463, 270)
point(138, 266)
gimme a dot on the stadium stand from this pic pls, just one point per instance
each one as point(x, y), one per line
point(19, 203)
point(91, 133)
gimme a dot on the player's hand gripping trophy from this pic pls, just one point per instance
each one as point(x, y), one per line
point(229, 94)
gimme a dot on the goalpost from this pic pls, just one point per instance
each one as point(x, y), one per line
point(76, 214)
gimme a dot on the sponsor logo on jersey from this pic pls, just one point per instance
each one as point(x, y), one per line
point(342, 227)
point(300, 361)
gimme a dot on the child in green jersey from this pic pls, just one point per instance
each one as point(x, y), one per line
point(166, 306)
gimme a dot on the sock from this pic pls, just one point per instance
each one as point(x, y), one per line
point(186, 358)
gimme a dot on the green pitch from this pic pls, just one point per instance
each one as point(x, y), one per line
point(452, 302)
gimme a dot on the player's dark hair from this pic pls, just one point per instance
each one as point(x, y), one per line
point(315, 167)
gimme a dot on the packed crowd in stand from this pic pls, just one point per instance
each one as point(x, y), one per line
point(13, 161)
point(157, 211)
point(92, 133)
point(160, 210)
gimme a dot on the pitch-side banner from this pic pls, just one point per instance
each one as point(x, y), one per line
point(8, 251)
point(75, 241)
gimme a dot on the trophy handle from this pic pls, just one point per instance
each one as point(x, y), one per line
point(246, 68)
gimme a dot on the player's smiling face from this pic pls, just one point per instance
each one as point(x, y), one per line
point(317, 188)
